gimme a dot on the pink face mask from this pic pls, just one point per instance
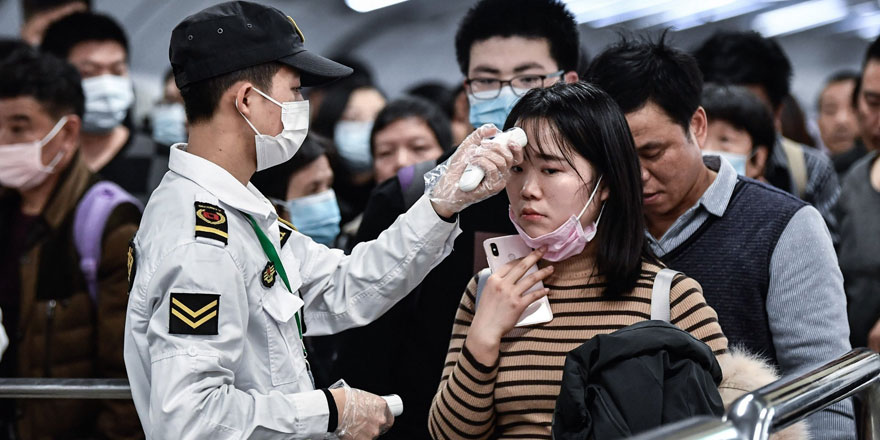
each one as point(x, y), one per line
point(21, 165)
point(568, 239)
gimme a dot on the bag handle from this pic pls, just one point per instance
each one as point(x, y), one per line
point(660, 294)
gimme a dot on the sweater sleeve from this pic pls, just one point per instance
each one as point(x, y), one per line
point(689, 312)
point(464, 404)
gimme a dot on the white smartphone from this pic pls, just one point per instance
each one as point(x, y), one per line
point(500, 251)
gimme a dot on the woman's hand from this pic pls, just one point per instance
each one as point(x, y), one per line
point(501, 304)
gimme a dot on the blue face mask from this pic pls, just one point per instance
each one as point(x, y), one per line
point(316, 216)
point(737, 160)
point(169, 124)
point(352, 138)
point(492, 111)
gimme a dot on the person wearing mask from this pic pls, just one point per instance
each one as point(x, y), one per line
point(348, 110)
point(302, 191)
point(498, 43)
point(740, 129)
point(764, 258)
point(580, 170)
point(407, 131)
point(747, 59)
point(222, 291)
point(111, 147)
point(842, 89)
point(64, 305)
point(167, 126)
point(39, 14)
point(859, 208)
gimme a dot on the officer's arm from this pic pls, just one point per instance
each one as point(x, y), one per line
point(342, 292)
point(198, 309)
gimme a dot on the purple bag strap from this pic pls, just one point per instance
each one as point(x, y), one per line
point(405, 175)
point(88, 227)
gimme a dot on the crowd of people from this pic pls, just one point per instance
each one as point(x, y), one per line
point(277, 222)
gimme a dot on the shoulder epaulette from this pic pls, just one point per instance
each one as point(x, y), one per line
point(284, 229)
point(211, 222)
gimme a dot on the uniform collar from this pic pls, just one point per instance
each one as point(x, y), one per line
point(216, 180)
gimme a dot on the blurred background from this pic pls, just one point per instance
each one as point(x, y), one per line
point(410, 41)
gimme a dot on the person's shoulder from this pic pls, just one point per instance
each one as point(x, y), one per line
point(770, 194)
point(859, 173)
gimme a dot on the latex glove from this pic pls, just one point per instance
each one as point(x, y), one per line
point(441, 183)
point(365, 416)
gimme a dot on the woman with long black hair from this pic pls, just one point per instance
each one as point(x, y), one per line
point(577, 199)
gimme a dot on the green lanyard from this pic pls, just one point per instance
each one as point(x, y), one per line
point(269, 249)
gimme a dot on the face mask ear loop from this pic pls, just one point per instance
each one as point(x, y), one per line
point(271, 99)
point(591, 199)
point(246, 119)
point(48, 138)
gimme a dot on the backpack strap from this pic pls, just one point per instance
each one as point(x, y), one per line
point(412, 185)
point(482, 276)
point(89, 220)
point(796, 164)
point(660, 294)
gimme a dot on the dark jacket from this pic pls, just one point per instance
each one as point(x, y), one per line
point(61, 331)
point(635, 379)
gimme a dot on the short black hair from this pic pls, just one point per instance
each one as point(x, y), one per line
point(437, 93)
point(201, 98)
point(743, 110)
point(414, 107)
point(872, 53)
point(29, 8)
point(746, 58)
point(837, 77)
point(520, 18)
point(63, 35)
point(272, 182)
point(635, 71)
point(9, 46)
point(51, 81)
point(587, 122)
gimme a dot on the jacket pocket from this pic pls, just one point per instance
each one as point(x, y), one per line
point(286, 358)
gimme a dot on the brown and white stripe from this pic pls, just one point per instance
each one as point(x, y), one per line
point(515, 398)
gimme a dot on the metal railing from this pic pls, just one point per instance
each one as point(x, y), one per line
point(45, 388)
point(782, 403)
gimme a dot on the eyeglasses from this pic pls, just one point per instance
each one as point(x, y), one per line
point(490, 88)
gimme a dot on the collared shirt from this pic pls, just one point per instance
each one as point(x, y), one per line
point(249, 378)
point(805, 293)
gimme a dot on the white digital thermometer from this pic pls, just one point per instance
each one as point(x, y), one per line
point(473, 174)
point(395, 404)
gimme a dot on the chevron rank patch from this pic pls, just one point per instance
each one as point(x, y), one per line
point(268, 276)
point(285, 228)
point(211, 222)
point(194, 314)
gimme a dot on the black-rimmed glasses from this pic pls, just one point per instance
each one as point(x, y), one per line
point(490, 88)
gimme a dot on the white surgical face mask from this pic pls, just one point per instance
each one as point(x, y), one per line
point(275, 150)
point(21, 165)
point(737, 160)
point(108, 98)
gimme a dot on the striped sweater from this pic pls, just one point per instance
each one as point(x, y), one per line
point(515, 398)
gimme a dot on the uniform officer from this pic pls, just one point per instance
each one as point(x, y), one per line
point(222, 290)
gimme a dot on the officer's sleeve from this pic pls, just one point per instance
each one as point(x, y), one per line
point(341, 291)
point(197, 332)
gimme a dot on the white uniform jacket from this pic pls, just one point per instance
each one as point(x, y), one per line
point(211, 343)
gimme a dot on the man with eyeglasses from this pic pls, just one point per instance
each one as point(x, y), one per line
point(503, 52)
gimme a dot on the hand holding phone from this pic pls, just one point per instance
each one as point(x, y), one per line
point(501, 251)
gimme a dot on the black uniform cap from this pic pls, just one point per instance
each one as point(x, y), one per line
point(236, 35)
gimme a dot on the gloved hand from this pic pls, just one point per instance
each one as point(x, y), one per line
point(365, 416)
point(441, 183)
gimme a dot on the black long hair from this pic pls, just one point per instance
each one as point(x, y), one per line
point(587, 122)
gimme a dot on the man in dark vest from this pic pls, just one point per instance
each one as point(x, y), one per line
point(764, 258)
